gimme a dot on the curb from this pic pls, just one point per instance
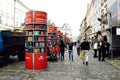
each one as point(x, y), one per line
point(113, 64)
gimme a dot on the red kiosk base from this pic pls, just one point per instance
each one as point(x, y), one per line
point(36, 61)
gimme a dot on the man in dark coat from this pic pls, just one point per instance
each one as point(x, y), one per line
point(62, 50)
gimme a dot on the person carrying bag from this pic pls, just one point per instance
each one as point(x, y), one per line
point(85, 51)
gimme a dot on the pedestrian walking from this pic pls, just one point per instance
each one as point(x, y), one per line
point(101, 51)
point(78, 47)
point(62, 50)
point(85, 50)
point(70, 50)
point(101, 47)
point(95, 49)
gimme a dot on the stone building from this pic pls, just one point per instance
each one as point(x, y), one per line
point(12, 14)
point(104, 16)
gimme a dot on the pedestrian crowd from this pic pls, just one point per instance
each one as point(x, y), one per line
point(100, 47)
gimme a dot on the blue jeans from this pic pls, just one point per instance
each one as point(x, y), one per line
point(62, 55)
point(71, 55)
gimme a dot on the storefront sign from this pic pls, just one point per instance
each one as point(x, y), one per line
point(117, 31)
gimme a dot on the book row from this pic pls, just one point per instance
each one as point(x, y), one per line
point(35, 38)
point(41, 27)
point(35, 33)
point(35, 44)
point(35, 50)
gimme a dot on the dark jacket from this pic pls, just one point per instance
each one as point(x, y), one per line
point(85, 45)
point(62, 46)
point(107, 45)
point(70, 46)
point(103, 46)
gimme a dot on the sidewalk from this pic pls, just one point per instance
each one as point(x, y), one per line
point(112, 61)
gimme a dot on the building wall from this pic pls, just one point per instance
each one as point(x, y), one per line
point(12, 14)
point(92, 15)
point(20, 10)
point(89, 21)
point(82, 29)
point(97, 14)
point(104, 14)
point(66, 30)
point(109, 12)
point(7, 13)
point(114, 9)
point(89, 15)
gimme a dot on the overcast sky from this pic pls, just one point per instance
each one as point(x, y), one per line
point(71, 12)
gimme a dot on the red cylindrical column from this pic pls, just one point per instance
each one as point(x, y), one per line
point(36, 40)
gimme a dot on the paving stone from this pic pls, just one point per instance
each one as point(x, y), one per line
point(62, 70)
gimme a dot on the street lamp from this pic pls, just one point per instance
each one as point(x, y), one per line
point(99, 19)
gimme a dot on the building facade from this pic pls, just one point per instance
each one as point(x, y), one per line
point(12, 14)
point(82, 34)
point(104, 16)
point(66, 30)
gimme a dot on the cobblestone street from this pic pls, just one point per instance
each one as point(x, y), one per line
point(67, 70)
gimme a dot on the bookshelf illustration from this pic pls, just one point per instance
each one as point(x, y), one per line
point(36, 40)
